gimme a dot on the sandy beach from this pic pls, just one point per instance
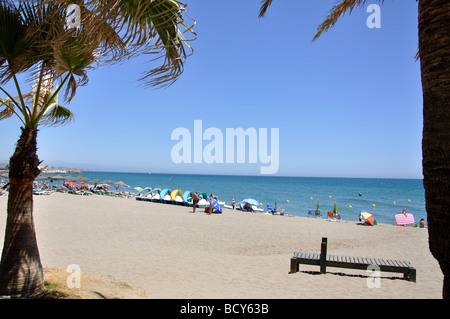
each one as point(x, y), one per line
point(172, 253)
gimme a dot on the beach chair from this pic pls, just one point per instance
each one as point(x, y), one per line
point(314, 213)
point(324, 260)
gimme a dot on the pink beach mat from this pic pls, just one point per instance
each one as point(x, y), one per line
point(402, 220)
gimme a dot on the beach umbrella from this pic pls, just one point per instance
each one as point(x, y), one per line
point(217, 206)
point(366, 218)
point(81, 178)
point(335, 209)
point(108, 181)
point(95, 181)
point(120, 183)
point(57, 178)
point(41, 177)
point(251, 201)
point(69, 178)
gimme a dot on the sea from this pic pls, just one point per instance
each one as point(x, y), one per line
point(383, 198)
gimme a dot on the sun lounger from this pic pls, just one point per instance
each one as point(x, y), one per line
point(323, 260)
point(403, 220)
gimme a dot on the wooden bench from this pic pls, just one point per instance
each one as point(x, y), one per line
point(323, 260)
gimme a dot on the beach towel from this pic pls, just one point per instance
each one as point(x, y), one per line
point(402, 220)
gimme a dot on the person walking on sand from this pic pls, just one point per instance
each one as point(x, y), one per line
point(195, 200)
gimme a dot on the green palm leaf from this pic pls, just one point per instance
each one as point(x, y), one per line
point(57, 115)
point(54, 114)
point(13, 44)
point(155, 27)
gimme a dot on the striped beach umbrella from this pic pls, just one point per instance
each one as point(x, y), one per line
point(366, 218)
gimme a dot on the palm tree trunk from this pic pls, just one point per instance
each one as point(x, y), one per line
point(434, 48)
point(20, 268)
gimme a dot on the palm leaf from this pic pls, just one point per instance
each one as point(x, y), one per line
point(265, 4)
point(165, 17)
point(57, 115)
point(75, 56)
point(154, 27)
point(34, 38)
point(336, 12)
point(13, 46)
point(11, 104)
point(9, 108)
point(54, 114)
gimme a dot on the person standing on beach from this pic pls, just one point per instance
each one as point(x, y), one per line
point(195, 201)
point(233, 203)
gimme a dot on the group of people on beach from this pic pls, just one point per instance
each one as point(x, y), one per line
point(209, 209)
point(421, 222)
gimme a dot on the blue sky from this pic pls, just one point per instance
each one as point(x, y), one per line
point(346, 105)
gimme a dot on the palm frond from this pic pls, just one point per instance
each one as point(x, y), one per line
point(336, 12)
point(54, 114)
point(9, 108)
point(167, 25)
point(57, 115)
point(155, 28)
point(13, 46)
point(34, 38)
point(12, 104)
point(75, 56)
point(265, 4)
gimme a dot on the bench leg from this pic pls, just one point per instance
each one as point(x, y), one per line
point(294, 266)
point(411, 275)
point(323, 256)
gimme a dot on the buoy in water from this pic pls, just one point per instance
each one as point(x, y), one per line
point(409, 200)
point(373, 205)
point(329, 196)
point(350, 206)
point(359, 194)
point(310, 198)
point(395, 203)
point(287, 201)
